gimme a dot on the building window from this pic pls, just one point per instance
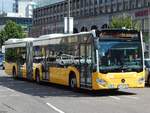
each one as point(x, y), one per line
point(100, 1)
point(86, 3)
point(120, 6)
point(114, 7)
point(82, 3)
point(77, 4)
point(133, 4)
point(108, 8)
point(139, 3)
point(126, 5)
point(91, 2)
point(95, 2)
point(146, 24)
point(108, 1)
point(96, 10)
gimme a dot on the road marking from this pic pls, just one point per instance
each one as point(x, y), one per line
point(131, 97)
point(114, 97)
point(56, 109)
point(8, 106)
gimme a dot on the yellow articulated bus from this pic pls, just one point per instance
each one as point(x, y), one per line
point(106, 59)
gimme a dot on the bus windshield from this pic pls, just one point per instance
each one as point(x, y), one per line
point(118, 55)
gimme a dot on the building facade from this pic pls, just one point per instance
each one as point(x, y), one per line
point(25, 8)
point(87, 14)
point(17, 8)
point(41, 3)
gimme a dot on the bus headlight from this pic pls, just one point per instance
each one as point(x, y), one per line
point(101, 81)
point(141, 80)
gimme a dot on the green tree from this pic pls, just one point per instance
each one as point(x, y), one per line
point(2, 37)
point(11, 30)
point(120, 22)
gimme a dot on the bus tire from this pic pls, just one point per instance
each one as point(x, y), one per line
point(37, 77)
point(148, 81)
point(72, 81)
point(14, 72)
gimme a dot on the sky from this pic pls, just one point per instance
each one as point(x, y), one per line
point(6, 5)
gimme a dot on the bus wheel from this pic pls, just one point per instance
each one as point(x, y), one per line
point(37, 77)
point(148, 81)
point(72, 82)
point(14, 73)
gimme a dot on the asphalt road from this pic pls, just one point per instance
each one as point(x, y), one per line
point(18, 96)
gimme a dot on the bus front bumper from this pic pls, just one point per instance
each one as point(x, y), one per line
point(118, 80)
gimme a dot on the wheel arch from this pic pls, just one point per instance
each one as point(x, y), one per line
point(37, 70)
point(74, 72)
point(14, 68)
point(148, 79)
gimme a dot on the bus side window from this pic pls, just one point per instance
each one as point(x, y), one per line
point(51, 56)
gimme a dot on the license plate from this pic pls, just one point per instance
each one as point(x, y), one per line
point(122, 86)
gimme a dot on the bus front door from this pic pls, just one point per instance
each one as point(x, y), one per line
point(85, 66)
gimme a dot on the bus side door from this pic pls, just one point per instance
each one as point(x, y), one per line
point(29, 60)
point(85, 65)
point(21, 60)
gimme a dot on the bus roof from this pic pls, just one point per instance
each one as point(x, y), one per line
point(14, 41)
point(43, 37)
point(52, 36)
point(11, 43)
point(46, 39)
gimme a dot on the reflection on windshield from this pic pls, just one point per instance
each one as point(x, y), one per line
point(147, 63)
point(1, 57)
point(115, 55)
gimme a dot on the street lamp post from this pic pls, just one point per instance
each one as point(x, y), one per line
point(68, 21)
point(68, 8)
point(149, 33)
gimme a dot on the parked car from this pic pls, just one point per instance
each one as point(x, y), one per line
point(2, 61)
point(147, 73)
